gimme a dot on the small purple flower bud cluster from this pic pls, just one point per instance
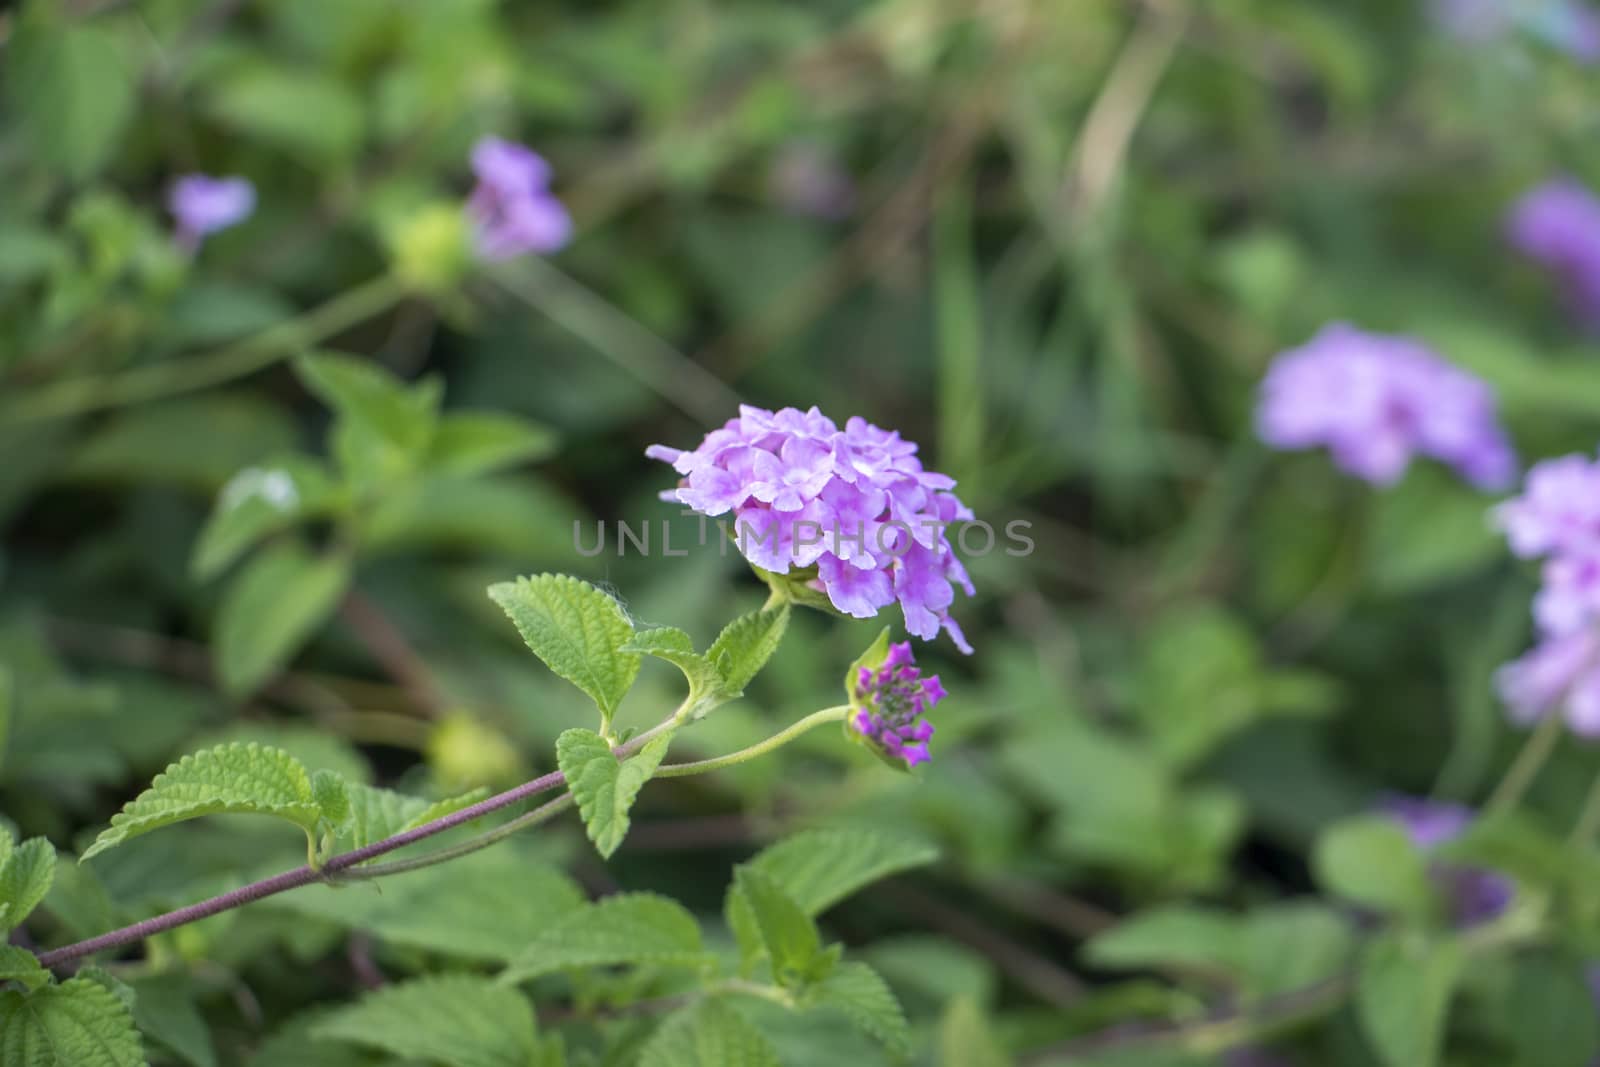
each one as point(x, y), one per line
point(1557, 225)
point(1374, 401)
point(890, 703)
point(1557, 518)
point(1476, 894)
point(512, 209)
point(855, 503)
point(202, 205)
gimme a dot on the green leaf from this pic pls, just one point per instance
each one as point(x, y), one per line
point(787, 933)
point(25, 878)
point(966, 1039)
point(1551, 1015)
point(79, 1023)
point(1269, 950)
point(1431, 529)
point(458, 1020)
point(19, 965)
point(164, 1009)
point(482, 907)
point(711, 1032)
point(1370, 860)
point(706, 687)
point(71, 92)
point(271, 608)
point(745, 645)
point(577, 631)
point(363, 392)
point(379, 813)
point(332, 796)
point(272, 104)
point(629, 928)
point(477, 442)
point(819, 868)
point(1176, 936)
point(233, 779)
point(862, 995)
point(1403, 992)
point(258, 502)
point(604, 787)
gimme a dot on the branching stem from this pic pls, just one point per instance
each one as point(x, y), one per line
point(346, 865)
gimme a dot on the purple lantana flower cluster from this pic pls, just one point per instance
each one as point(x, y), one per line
point(512, 209)
point(1557, 225)
point(1557, 520)
point(1375, 401)
point(1475, 894)
point(890, 704)
point(855, 504)
point(202, 205)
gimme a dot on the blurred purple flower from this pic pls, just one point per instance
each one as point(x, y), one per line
point(1558, 511)
point(1559, 675)
point(890, 703)
point(808, 182)
point(513, 211)
point(1429, 823)
point(1375, 400)
point(1476, 894)
point(202, 205)
point(855, 503)
point(1557, 225)
point(1570, 26)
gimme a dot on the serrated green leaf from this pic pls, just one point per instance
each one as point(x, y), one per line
point(332, 796)
point(706, 686)
point(577, 631)
point(1403, 992)
point(485, 906)
point(164, 1009)
point(478, 442)
point(629, 928)
point(258, 502)
point(711, 1032)
point(457, 1020)
point(604, 787)
point(745, 644)
point(966, 1039)
point(819, 868)
point(1370, 860)
point(862, 995)
point(19, 965)
point(71, 92)
point(79, 1023)
point(787, 933)
point(248, 779)
point(271, 608)
point(25, 878)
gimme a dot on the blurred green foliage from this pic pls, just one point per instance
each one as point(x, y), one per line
point(256, 494)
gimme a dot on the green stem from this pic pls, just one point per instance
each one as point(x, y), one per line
point(664, 370)
point(80, 395)
point(543, 813)
point(551, 808)
point(1525, 768)
point(1588, 825)
point(761, 748)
